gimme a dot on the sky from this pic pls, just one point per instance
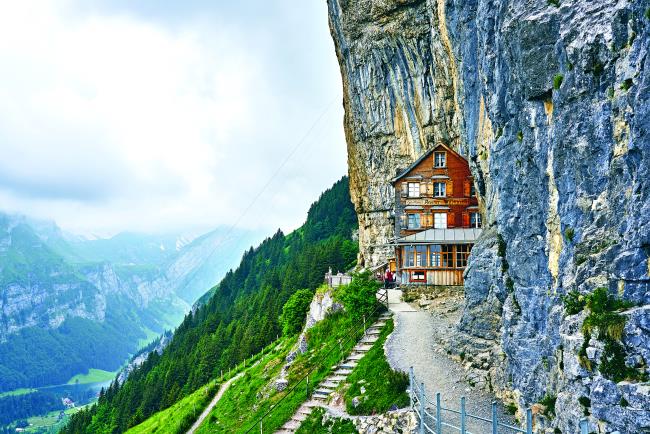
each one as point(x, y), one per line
point(162, 116)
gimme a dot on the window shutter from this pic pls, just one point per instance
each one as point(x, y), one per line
point(423, 188)
point(465, 219)
point(450, 188)
point(466, 188)
point(451, 221)
point(405, 187)
point(402, 220)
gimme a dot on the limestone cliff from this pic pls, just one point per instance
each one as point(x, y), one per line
point(549, 101)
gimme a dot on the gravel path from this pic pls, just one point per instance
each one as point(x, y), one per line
point(413, 343)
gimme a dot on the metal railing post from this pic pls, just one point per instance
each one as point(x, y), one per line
point(411, 385)
point(364, 325)
point(261, 430)
point(529, 421)
point(584, 426)
point(307, 386)
point(462, 415)
point(422, 406)
point(438, 414)
point(495, 422)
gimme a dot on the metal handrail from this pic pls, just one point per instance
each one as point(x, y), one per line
point(419, 399)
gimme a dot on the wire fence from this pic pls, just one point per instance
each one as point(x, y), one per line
point(433, 418)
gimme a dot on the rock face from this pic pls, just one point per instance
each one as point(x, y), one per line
point(549, 101)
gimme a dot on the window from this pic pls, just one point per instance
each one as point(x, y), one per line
point(418, 275)
point(434, 255)
point(475, 220)
point(414, 189)
point(407, 260)
point(413, 221)
point(420, 256)
point(447, 255)
point(472, 189)
point(440, 220)
point(462, 252)
point(440, 159)
point(439, 189)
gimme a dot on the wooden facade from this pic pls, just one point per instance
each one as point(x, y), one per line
point(435, 198)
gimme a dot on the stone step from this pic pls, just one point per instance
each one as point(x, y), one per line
point(350, 364)
point(330, 384)
point(299, 417)
point(370, 339)
point(323, 390)
point(305, 409)
point(356, 356)
point(336, 377)
point(291, 425)
point(285, 431)
point(343, 371)
point(373, 331)
point(362, 348)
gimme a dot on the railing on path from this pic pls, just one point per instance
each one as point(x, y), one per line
point(382, 296)
point(431, 421)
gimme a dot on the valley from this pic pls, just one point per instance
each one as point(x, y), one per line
point(73, 310)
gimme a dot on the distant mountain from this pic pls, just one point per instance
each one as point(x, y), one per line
point(68, 304)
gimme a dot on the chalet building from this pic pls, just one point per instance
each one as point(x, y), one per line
point(437, 219)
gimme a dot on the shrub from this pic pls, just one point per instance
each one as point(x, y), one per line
point(569, 233)
point(359, 297)
point(627, 83)
point(295, 311)
point(555, 3)
point(520, 135)
point(557, 81)
point(586, 404)
point(574, 302)
point(548, 401)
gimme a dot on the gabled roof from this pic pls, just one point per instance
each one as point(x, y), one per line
point(422, 157)
point(442, 236)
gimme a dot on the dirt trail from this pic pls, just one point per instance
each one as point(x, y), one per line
point(214, 401)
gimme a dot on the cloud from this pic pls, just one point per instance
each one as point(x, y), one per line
point(116, 118)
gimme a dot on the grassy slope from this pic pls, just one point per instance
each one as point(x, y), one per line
point(179, 417)
point(251, 397)
point(92, 376)
point(384, 386)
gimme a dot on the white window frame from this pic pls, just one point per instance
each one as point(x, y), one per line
point(440, 220)
point(477, 223)
point(443, 189)
point(417, 218)
point(435, 159)
point(413, 189)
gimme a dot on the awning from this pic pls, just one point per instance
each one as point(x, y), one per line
point(443, 236)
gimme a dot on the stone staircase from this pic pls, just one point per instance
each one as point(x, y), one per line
point(339, 373)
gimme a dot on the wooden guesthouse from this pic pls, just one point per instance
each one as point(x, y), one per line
point(437, 218)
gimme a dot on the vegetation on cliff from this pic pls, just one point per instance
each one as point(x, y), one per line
point(239, 319)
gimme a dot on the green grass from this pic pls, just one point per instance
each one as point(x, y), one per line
point(17, 392)
point(384, 387)
point(50, 422)
point(251, 397)
point(314, 424)
point(92, 376)
point(180, 416)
